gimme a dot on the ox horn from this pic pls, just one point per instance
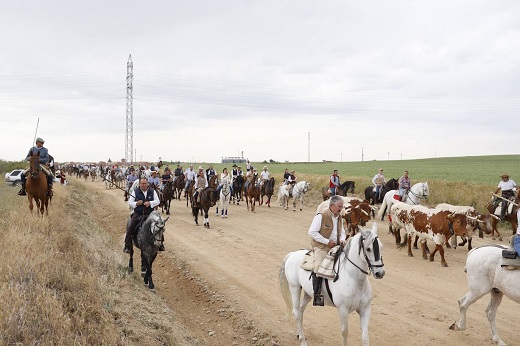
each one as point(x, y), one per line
point(494, 216)
point(471, 218)
point(364, 212)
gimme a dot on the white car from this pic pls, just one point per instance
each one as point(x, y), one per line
point(14, 178)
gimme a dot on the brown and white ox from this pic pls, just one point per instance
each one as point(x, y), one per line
point(428, 224)
point(355, 213)
point(476, 221)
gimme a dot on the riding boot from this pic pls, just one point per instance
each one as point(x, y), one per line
point(22, 191)
point(49, 191)
point(316, 286)
point(128, 242)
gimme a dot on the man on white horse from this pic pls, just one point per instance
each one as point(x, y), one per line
point(404, 186)
point(326, 232)
point(190, 177)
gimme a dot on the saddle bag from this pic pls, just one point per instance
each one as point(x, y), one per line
point(510, 254)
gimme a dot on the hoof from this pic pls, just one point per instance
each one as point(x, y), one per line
point(415, 248)
point(225, 216)
point(130, 269)
point(431, 259)
point(301, 209)
point(445, 265)
point(410, 255)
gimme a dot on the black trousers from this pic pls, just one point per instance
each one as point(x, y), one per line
point(131, 229)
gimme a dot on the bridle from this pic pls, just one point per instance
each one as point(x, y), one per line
point(419, 196)
point(377, 256)
point(156, 234)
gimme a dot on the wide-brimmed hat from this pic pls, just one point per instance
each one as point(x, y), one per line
point(39, 139)
point(265, 167)
point(154, 172)
point(381, 169)
point(234, 166)
point(200, 167)
point(292, 171)
point(504, 175)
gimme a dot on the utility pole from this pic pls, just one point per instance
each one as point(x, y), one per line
point(129, 137)
point(388, 158)
point(362, 154)
point(309, 147)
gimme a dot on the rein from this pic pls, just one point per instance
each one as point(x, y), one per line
point(423, 195)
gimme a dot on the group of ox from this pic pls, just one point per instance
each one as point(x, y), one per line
point(350, 290)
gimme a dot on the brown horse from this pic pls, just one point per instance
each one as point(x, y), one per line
point(207, 200)
point(252, 193)
point(178, 186)
point(189, 194)
point(36, 185)
point(511, 218)
point(267, 190)
point(166, 197)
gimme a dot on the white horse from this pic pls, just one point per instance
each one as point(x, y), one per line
point(108, 179)
point(351, 291)
point(485, 275)
point(225, 197)
point(299, 190)
point(415, 194)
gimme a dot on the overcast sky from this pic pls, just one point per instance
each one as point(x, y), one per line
point(411, 78)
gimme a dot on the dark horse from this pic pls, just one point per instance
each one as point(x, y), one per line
point(511, 218)
point(252, 192)
point(370, 194)
point(148, 239)
point(342, 189)
point(36, 185)
point(178, 186)
point(238, 185)
point(166, 197)
point(267, 190)
point(207, 200)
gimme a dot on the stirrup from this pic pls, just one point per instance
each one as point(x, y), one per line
point(318, 300)
point(22, 192)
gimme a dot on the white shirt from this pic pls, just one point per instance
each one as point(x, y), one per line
point(190, 174)
point(506, 185)
point(132, 203)
point(264, 175)
point(314, 230)
point(224, 176)
point(518, 217)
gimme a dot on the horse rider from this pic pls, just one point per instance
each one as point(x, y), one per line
point(130, 180)
point(43, 153)
point(379, 181)
point(210, 172)
point(404, 186)
point(326, 232)
point(177, 173)
point(166, 177)
point(333, 182)
point(225, 176)
point(507, 187)
point(239, 172)
point(516, 241)
point(154, 180)
point(142, 201)
point(286, 175)
point(190, 176)
point(248, 166)
point(234, 172)
point(200, 184)
point(264, 176)
point(291, 181)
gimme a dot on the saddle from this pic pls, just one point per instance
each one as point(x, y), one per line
point(326, 269)
point(509, 209)
point(510, 259)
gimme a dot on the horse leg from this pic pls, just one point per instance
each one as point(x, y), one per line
point(298, 308)
point(364, 317)
point(131, 260)
point(206, 218)
point(343, 320)
point(464, 303)
point(149, 272)
point(491, 312)
point(301, 200)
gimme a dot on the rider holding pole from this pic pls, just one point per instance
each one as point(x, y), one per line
point(506, 185)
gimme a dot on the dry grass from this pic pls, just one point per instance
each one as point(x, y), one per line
point(61, 283)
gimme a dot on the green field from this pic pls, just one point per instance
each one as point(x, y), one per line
point(469, 169)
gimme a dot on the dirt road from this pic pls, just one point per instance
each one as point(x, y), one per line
point(223, 284)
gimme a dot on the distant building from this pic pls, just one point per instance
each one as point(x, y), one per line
point(232, 159)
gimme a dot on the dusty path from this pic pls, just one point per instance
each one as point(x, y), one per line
point(223, 284)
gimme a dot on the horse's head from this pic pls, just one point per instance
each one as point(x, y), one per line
point(425, 190)
point(371, 246)
point(157, 224)
point(306, 186)
point(352, 188)
point(34, 161)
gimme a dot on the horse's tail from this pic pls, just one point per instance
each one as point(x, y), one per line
point(382, 209)
point(284, 287)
